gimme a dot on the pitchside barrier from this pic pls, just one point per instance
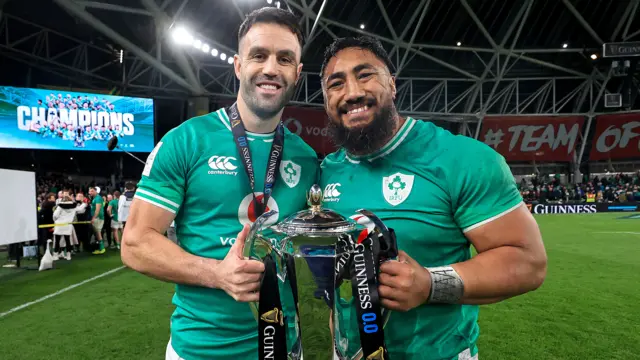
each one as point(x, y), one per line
point(582, 208)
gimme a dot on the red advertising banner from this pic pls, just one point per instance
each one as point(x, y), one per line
point(308, 123)
point(311, 126)
point(528, 138)
point(616, 137)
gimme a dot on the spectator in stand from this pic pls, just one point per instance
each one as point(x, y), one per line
point(64, 215)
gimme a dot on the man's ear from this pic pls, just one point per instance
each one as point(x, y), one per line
point(298, 72)
point(236, 65)
point(392, 84)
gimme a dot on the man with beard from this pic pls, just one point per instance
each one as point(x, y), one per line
point(208, 175)
point(441, 193)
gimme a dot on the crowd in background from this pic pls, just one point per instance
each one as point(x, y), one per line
point(77, 217)
point(613, 188)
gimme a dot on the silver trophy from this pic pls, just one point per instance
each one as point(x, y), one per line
point(319, 290)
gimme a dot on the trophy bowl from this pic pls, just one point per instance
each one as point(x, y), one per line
point(315, 261)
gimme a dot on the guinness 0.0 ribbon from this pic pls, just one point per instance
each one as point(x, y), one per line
point(364, 282)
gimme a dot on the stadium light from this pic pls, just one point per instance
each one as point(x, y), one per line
point(361, 26)
point(205, 48)
point(121, 56)
point(278, 4)
point(269, 2)
point(223, 56)
point(214, 52)
point(459, 43)
point(230, 60)
point(182, 36)
point(565, 45)
point(594, 56)
point(197, 44)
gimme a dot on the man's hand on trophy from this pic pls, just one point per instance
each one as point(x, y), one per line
point(404, 284)
point(237, 276)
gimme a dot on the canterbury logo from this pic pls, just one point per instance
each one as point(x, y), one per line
point(222, 163)
point(273, 316)
point(331, 191)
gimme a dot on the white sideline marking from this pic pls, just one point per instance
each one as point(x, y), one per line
point(59, 292)
point(618, 232)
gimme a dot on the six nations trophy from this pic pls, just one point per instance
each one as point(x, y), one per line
point(320, 269)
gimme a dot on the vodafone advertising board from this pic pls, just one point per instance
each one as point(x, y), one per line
point(616, 137)
point(541, 138)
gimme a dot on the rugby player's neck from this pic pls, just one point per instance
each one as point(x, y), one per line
point(255, 124)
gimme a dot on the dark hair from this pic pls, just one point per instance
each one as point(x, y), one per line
point(129, 185)
point(271, 15)
point(362, 42)
point(116, 194)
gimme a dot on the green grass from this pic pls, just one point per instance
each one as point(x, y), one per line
point(586, 309)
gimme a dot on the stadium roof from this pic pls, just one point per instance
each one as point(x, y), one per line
point(455, 60)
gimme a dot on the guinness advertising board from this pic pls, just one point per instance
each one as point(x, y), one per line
point(582, 208)
point(621, 49)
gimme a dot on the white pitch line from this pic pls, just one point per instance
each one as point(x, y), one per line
point(618, 232)
point(59, 292)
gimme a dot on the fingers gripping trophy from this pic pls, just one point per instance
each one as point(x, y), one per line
point(316, 259)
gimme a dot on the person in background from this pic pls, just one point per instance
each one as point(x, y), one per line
point(45, 217)
point(124, 203)
point(63, 216)
point(83, 231)
point(97, 218)
point(112, 211)
point(107, 221)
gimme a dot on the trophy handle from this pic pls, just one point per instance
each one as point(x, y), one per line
point(258, 224)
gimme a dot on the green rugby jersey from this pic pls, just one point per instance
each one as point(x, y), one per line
point(430, 186)
point(195, 171)
point(97, 200)
point(114, 209)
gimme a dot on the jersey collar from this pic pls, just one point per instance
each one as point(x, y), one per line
point(224, 118)
point(391, 145)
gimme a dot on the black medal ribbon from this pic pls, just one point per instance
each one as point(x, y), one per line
point(272, 324)
point(272, 335)
point(275, 157)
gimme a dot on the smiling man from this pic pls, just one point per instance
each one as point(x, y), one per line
point(441, 193)
point(208, 175)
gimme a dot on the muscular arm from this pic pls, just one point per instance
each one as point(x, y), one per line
point(511, 259)
point(146, 250)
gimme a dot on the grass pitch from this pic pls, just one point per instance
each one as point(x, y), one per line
point(586, 309)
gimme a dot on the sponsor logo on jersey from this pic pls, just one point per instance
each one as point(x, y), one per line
point(290, 173)
point(229, 241)
point(396, 188)
point(222, 165)
point(332, 192)
point(247, 210)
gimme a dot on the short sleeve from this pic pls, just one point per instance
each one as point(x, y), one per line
point(483, 187)
point(163, 177)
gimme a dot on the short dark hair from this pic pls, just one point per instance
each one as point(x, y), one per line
point(362, 42)
point(271, 15)
point(129, 185)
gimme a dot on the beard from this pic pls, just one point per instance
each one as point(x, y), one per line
point(265, 108)
point(365, 139)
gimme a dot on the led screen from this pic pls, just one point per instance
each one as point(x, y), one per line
point(65, 120)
